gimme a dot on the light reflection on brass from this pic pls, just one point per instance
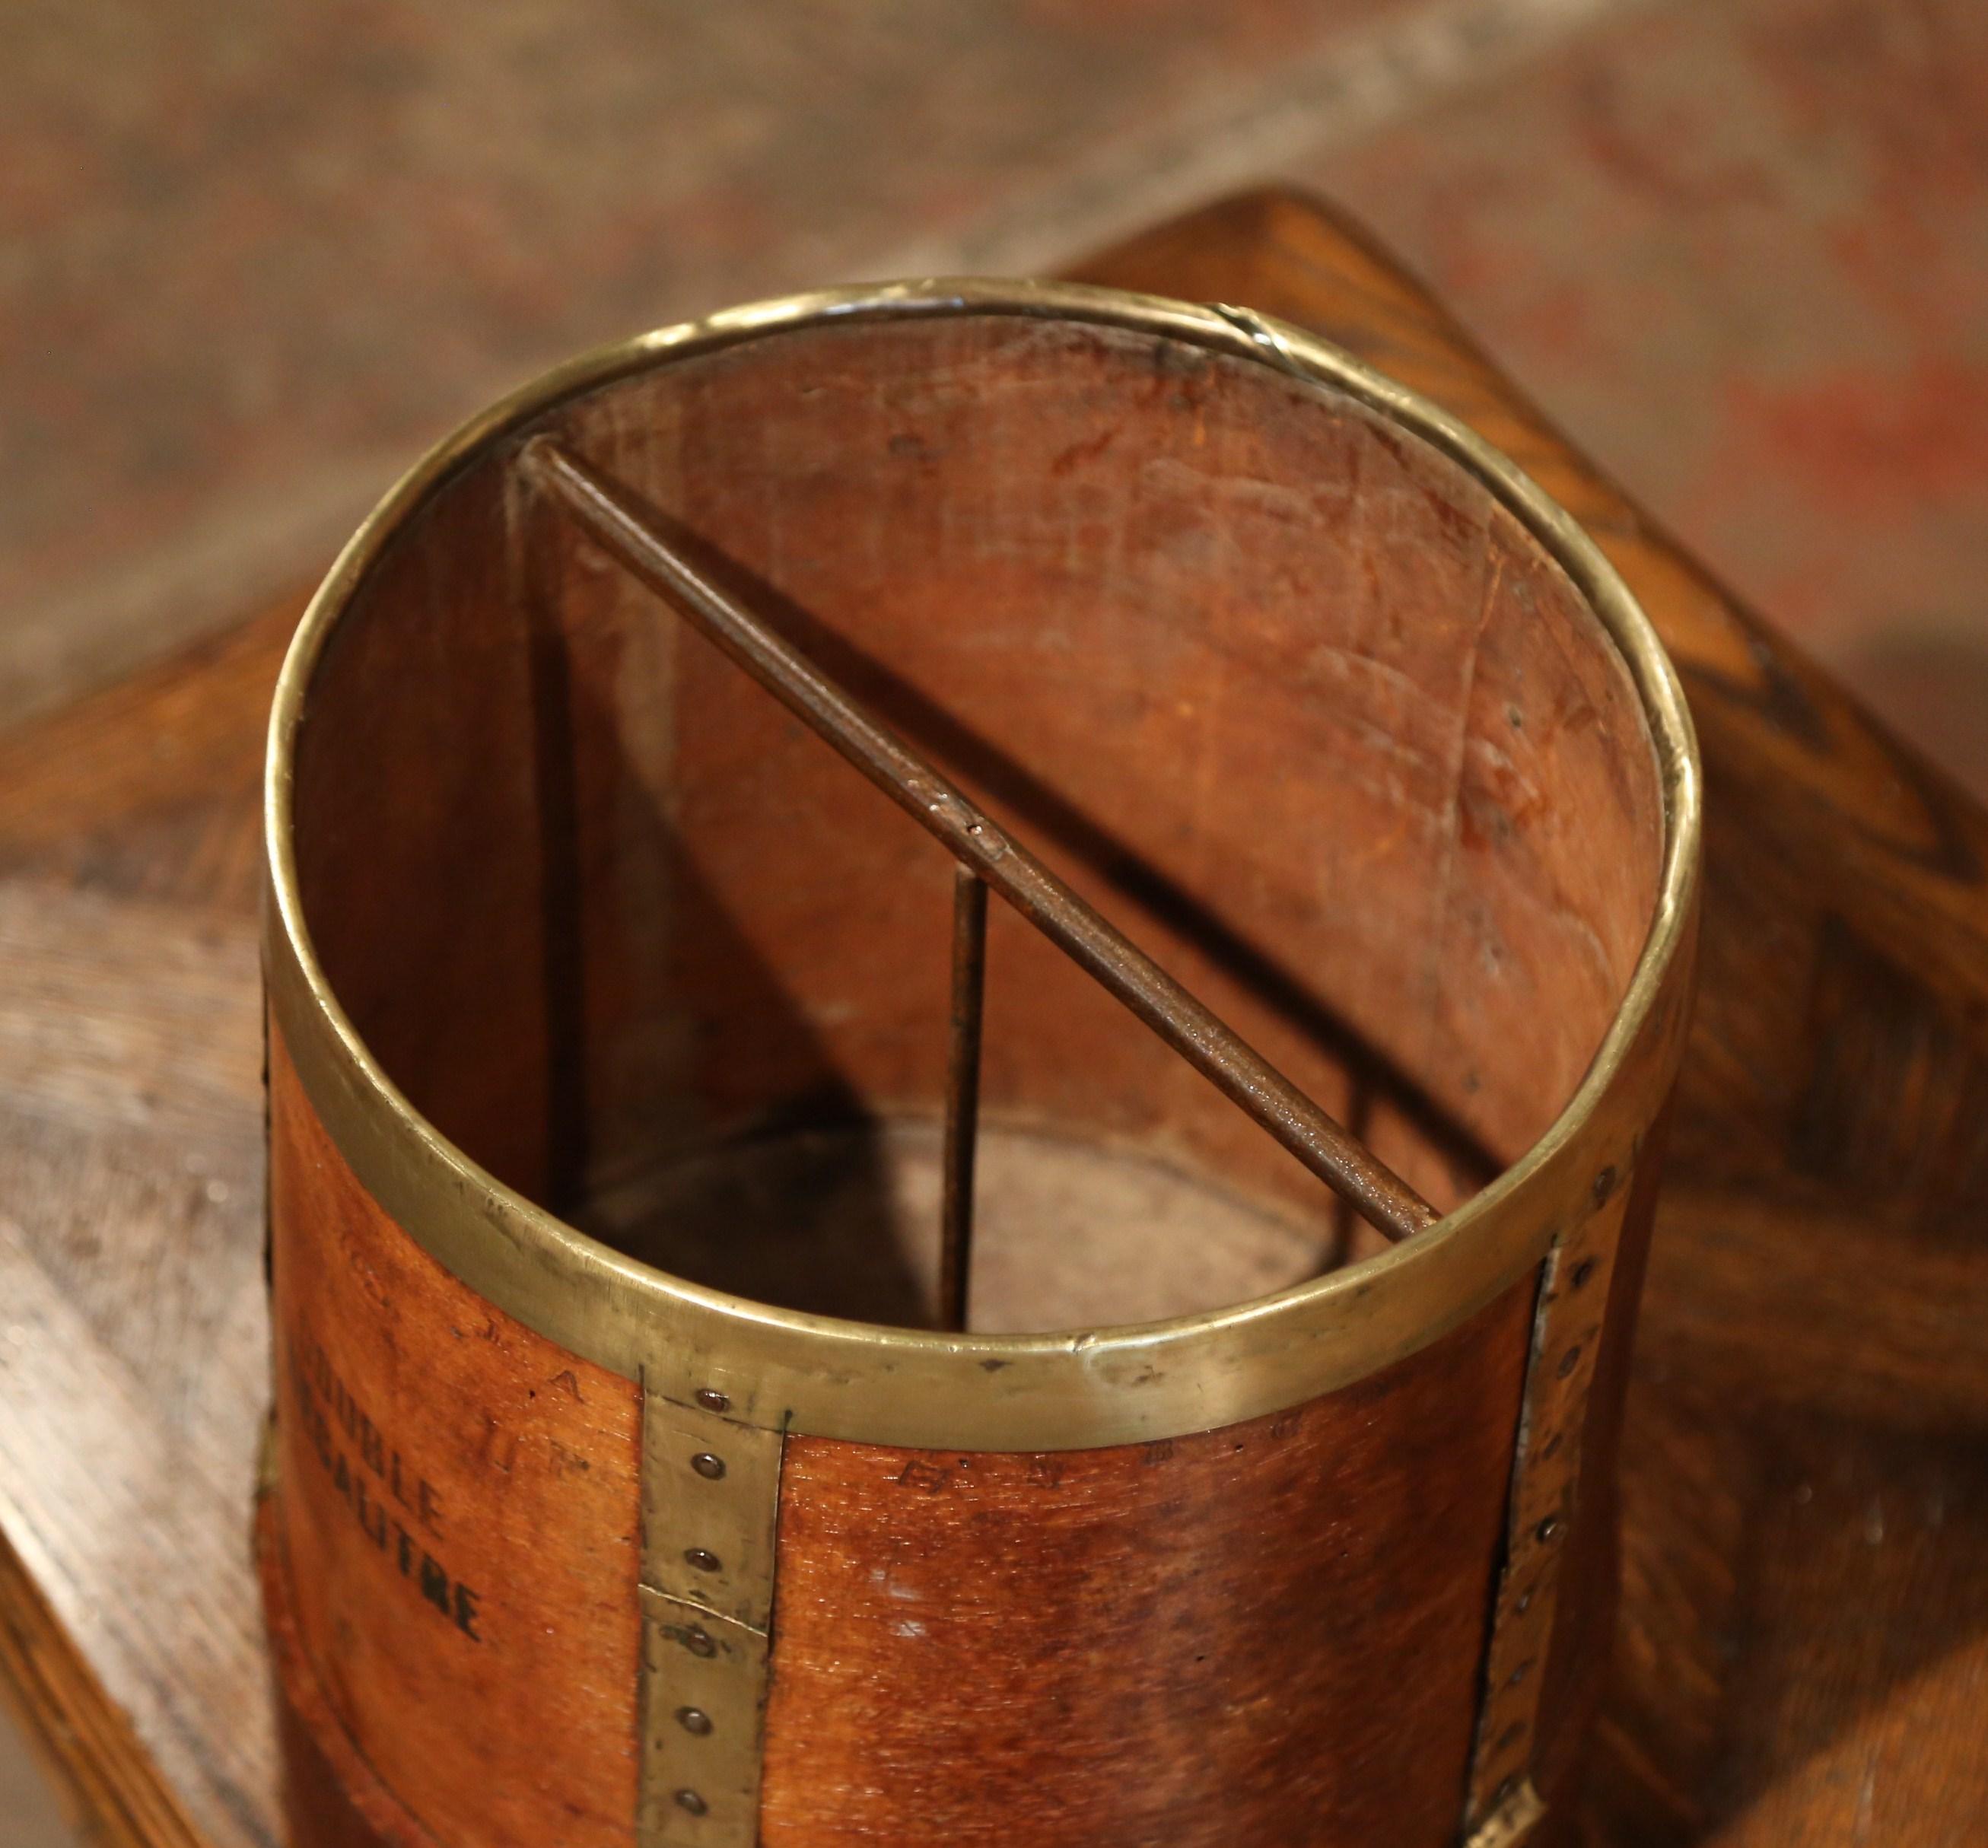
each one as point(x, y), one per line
point(781, 1370)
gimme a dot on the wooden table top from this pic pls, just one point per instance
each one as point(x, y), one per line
point(1804, 1654)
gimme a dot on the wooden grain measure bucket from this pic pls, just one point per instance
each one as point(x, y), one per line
point(627, 1486)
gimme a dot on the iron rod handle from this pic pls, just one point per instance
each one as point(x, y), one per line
point(612, 515)
point(962, 1093)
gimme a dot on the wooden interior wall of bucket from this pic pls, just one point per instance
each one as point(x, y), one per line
point(1278, 686)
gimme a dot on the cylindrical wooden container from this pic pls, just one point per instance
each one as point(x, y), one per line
point(621, 1492)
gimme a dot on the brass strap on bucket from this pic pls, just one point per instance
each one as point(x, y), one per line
point(1504, 1806)
point(710, 1492)
point(707, 1606)
point(734, 1378)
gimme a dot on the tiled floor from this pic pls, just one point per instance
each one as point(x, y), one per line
point(251, 258)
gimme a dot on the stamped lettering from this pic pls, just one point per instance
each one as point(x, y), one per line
point(397, 1507)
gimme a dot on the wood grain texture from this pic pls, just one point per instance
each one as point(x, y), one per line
point(1362, 729)
point(332, 1798)
point(1808, 1364)
point(1374, 780)
point(115, 1800)
point(1800, 1657)
point(1113, 1645)
point(459, 1533)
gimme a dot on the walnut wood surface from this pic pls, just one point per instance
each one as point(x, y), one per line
point(459, 1519)
point(1181, 1600)
point(1805, 1634)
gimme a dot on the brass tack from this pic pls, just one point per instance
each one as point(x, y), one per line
point(707, 1466)
point(711, 1399)
point(690, 1802)
point(1549, 1528)
point(697, 1640)
point(702, 1559)
point(694, 1720)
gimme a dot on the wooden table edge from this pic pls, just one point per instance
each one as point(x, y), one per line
point(110, 1786)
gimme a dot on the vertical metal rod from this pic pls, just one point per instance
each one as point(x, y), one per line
point(619, 522)
point(962, 1094)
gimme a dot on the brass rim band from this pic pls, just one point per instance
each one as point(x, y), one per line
point(829, 1378)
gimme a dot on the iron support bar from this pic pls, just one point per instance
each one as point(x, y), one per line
point(618, 521)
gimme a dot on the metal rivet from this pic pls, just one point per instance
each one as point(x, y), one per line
point(712, 1400)
point(707, 1466)
point(697, 1640)
point(1605, 1185)
point(1518, 1675)
point(1582, 1271)
point(702, 1560)
point(1570, 1360)
point(1525, 1601)
point(694, 1719)
point(690, 1802)
point(1548, 1529)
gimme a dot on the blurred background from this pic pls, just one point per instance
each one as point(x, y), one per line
point(253, 259)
